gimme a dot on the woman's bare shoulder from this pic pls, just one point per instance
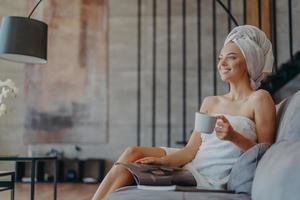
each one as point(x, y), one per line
point(208, 102)
point(261, 95)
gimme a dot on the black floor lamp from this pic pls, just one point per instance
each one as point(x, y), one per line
point(23, 39)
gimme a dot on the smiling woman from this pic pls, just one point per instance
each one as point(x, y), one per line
point(232, 63)
point(245, 117)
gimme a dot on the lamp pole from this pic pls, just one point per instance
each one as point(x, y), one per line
point(34, 9)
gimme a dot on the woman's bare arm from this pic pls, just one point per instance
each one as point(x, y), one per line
point(179, 157)
point(184, 155)
point(264, 116)
point(188, 153)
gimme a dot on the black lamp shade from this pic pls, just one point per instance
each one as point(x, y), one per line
point(23, 40)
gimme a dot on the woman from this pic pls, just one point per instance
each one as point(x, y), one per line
point(245, 117)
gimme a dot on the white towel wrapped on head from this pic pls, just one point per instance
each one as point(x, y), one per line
point(257, 50)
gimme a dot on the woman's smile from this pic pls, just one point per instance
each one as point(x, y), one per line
point(225, 70)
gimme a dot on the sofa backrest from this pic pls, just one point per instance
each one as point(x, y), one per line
point(277, 174)
point(288, 118)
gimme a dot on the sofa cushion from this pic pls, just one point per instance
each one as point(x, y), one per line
point(132, 193)
point(288, 115)
point(277, 175)
point(242, 172)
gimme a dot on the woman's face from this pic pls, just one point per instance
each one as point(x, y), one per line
point(232, 64)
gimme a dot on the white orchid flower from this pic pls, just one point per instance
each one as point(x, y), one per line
point(3, 109)
point(10, 84)
point(5, 92)
point(8, 87)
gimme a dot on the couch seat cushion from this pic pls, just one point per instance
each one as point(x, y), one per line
point(131, 193)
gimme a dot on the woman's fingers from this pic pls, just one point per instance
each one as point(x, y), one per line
point(223, 128)
point(150, 160)
point(221, 123)
point(222, 117)
point(140, 160)
point(146, 160)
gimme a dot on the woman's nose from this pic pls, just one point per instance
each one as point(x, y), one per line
point(222, 62)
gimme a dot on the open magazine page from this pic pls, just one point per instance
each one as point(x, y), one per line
point(156, 175)
point(150, 187)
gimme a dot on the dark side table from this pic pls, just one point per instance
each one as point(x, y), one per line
point(8, 185)
point(34, 160)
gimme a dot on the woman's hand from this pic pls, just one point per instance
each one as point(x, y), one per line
point(150, 160)
point(223, 128)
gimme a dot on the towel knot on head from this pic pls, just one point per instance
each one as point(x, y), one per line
point(256, 49)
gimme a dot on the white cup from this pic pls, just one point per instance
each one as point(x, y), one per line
point(204, 122)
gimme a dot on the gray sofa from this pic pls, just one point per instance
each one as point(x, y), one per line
point(277, 176)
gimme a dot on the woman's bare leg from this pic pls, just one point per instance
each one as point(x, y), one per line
point(118, 176)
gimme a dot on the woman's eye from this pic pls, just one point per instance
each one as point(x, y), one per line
point(232, 57)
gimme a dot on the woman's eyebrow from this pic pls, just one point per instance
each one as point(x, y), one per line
point(230, 53)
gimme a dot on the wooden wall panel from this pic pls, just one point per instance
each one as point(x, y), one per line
point(253, 14)
point(266, 21)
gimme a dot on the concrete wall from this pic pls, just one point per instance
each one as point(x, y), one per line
point(123, 74)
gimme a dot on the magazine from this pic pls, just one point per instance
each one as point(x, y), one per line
point(157, 177)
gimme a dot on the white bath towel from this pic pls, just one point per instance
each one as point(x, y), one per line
point(214, 160)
